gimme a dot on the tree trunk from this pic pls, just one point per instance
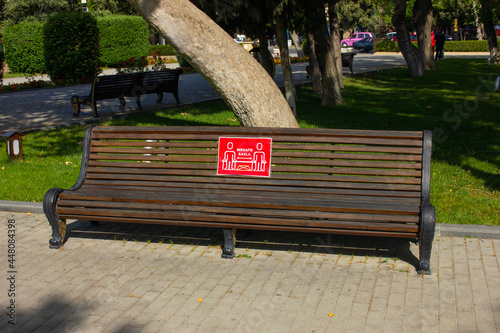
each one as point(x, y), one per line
point(241, 81)
point(489, 28)
point(423, 13)
point(265, 55)
point(296, 41)
point(410, 52)
point(335, 35)
point(479, 29)
point(314, 71)
point(281, 36)
point(316, 21)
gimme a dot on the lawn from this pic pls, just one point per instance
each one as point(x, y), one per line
point(456, 102)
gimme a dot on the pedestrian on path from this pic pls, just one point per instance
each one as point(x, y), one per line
point(439, 39)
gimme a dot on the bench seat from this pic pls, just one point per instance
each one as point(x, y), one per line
point(348, 182)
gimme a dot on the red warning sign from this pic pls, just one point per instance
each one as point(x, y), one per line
point(244, 156)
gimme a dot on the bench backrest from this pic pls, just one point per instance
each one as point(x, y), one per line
point(312, 161)
point(161, 81)
point(114, 86)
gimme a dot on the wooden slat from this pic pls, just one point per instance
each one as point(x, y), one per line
point(359, 232)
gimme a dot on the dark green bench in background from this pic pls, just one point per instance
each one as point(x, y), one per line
point(129, 85)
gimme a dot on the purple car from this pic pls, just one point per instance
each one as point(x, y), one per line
point(355, 37)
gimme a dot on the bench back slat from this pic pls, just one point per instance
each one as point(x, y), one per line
point(387, 163)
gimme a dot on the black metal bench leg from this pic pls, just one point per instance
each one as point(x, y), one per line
point(58, 225)
point(160, 97)
point(229, 241)
point(427, 227)
point(75, 101)
point(176, 95)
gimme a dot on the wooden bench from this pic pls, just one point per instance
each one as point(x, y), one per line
point(129, 85)
point(348, 182)
point(347, 60)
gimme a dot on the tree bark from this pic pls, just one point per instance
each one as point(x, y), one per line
point(281, 36)
point(479, 24)
point(296, 41)
point(265, 55)
point(241, 81)
point(314, 71)
point(316, 21)
point(335, 36)
point(410, 52)
point(423, 13)
point(489, 28)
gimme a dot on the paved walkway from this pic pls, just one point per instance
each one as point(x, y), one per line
point(146, 278)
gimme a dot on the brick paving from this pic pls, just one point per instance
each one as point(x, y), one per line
point(144, 278)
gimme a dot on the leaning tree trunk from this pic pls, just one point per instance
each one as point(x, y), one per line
point(410, 52)
point(489, 28)
point(423, 13)
point(335, 35)
point(241, 81)
point(314, 71)
point(281, 36)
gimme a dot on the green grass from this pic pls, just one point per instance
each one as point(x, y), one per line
point(455, 102)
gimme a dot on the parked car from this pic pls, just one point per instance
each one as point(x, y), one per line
point(413, 38)
point(390, 35)
point(355, 37)
point(366, 44)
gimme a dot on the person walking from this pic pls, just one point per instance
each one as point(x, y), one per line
point(439, 40)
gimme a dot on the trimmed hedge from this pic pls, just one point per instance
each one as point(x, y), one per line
point(163, 50)
point(449, 46)
point(23, 47)
point(71, 47)
point(122, 38)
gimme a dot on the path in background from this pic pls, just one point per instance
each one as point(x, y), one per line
point(39, 108)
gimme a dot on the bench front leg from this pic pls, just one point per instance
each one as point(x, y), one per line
point(229, 241)
point(76, 101)
point(58, 225)
point(427, 227)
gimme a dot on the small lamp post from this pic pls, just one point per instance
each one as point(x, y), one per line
point(85, 9)
point(14, 144)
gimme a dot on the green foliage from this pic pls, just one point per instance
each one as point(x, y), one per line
point(467, 46)
point(16, 11)
point(2, 59)
point(162, 50)
point(122, 37)
point(71, 43)
point(23, 44)
point(387, 46)
point(450, 46)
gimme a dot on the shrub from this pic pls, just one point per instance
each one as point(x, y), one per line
point(387, 46)
point(122, 37)
point(449, 46)
point(161, 50)
point(71, 47)
point(23, 44)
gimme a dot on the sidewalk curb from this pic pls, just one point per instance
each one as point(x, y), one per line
point(442, 229)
